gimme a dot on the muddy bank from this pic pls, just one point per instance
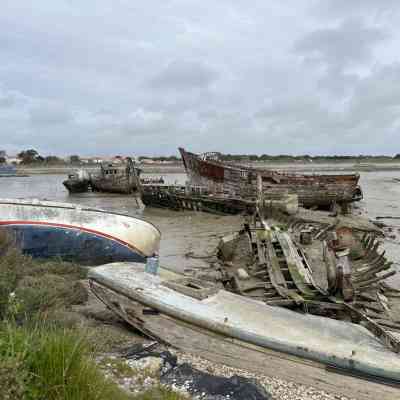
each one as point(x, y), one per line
point(186, 232)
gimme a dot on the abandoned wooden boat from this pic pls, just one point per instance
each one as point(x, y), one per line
point(329, 264)
point(116, 178)
point(78, 181)
point(191, 198)
point(203, 318)
point(86, 235)
point(233, 180)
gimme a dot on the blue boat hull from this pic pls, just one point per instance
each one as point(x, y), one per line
point(71, 244)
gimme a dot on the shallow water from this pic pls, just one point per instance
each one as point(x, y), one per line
point(190, 234)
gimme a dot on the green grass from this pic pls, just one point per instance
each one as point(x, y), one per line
point(53, 364)
point(57, 364)
point(64, 369)
point(43, 354)
point(39, 286)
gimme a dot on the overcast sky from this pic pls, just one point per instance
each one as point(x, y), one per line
point(99, 77)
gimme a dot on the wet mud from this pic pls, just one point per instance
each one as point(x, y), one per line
point(190, 238)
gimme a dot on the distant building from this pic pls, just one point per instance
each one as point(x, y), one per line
point(99, 160)
point(93, 160)
point(147, 161)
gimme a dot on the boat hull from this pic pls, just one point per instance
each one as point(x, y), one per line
point(87, 236)
point(241, 181)
point(334, 343)
point(70, 244)
point(75, 186)
point(122, 185)
point(236, 353)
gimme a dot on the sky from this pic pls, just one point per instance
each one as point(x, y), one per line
point(99, 77)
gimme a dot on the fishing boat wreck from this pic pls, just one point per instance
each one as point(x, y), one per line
point(240, 181)
point(85, 235)
point(221, 188)
point(295, 293)
point(191, 198)
point(116, 178)
point(335, 271)
point(78, 181)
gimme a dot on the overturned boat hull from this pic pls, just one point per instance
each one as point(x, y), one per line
point(86, 235)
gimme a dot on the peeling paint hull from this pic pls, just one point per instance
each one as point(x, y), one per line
point(323, 340)
point(239, 181)
point(89, 236)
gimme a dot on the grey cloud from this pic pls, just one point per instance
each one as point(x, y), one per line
point(6, 101)
point(50, 115)
point(344, 8)
point(183, 74)
point(84, 77)
point(349, 43)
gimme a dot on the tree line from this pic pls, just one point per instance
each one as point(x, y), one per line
point(32, 156)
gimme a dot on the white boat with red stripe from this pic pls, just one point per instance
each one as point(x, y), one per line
point(76, 233)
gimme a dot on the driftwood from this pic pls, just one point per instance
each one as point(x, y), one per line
point(287, 274)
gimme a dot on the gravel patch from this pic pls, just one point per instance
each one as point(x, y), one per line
point(279, 388)
point(137, 376)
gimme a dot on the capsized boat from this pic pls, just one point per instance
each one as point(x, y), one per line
point(201, 317)
point(86, 235)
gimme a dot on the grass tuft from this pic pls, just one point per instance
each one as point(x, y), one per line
point(53, 364)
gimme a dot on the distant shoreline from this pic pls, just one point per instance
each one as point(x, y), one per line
point(66, 169)
point(178, 167)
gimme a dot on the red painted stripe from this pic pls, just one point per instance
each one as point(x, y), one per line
point(88, 230)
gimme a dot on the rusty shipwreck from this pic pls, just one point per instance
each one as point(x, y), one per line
point(116, 178)
point(240, 181)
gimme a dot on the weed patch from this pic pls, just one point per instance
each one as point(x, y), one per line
point(53, 364)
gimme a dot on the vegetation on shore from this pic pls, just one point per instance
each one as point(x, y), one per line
point(32, 158)
point(46, 351)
